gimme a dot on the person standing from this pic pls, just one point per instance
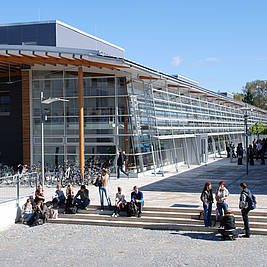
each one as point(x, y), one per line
point(243, 205)
point(103, 189)
point(239, 152)
point(120, 162)
point(250, 155)
point(207, 200)
point(221, 197)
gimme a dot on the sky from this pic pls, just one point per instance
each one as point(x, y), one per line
point(220, 44)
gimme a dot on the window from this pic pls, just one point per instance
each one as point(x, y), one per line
point(5, 103)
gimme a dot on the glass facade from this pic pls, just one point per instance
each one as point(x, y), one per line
point(154, 123)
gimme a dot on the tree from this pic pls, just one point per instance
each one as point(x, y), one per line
point(255, 93)
point(238, 97)
point(257, 129)
point(248, 97)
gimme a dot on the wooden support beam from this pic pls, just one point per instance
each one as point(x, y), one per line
point(26, 133)
point(14, 73)
point(196, 92)
point(81, 120)
point(178, 86)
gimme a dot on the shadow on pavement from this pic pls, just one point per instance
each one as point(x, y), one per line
point(204, 236)
point(192, 181)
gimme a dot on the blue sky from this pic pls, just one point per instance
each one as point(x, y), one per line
point(221, 44)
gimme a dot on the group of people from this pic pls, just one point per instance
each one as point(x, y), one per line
point(71, 202)
point(256, 150)
point(226, 216)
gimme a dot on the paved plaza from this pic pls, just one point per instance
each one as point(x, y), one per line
point(85, 245)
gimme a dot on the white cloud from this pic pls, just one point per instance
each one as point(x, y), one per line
point(211, 59)
point(262, 59)
point(176, 61)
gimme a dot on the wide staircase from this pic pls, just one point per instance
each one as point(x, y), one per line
point(171, 218)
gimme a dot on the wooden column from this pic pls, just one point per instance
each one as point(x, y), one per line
point(26, 117)
point(81, 120)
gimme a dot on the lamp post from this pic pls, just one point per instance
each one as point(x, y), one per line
point(246, 127)
point(245, 110)
point(43, 119)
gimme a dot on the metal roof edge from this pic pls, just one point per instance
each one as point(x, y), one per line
point(193, 85)
point(28, 23)
point(88, 35)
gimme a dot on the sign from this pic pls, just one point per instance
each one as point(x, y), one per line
point(243, 134)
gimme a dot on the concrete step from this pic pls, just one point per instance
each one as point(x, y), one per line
point(146, 225)
point(186, 210)
point(169, 220)
point(146, 214)
point(133, 219)
point(166, 214)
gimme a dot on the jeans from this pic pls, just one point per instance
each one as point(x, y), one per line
point(207, 214)
point(58, 201)
point(27, 217)
point(222, 207)
point(119, 168)
point(246, 222)
point(102, 191)
point(140, 206)
point(82, 204)
point(119, 208)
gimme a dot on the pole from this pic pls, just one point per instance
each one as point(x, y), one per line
point(81, 120)
point(246, 125)
point(42, 137)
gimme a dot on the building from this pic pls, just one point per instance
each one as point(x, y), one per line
point(157, 119)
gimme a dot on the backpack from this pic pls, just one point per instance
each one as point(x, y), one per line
point(98, 182)
point(132, 209)
point(251, 199)
point(71, 210)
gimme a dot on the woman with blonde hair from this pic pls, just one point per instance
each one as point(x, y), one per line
point(103, 189)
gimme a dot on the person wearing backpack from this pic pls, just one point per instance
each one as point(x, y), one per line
point(245, 207)
point(120, 162)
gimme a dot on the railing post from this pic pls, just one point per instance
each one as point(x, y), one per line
point(17, 200)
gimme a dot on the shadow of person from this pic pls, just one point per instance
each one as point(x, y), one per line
point(203, 236)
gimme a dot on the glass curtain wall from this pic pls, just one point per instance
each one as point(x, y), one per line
point(106, 118)
point(154, 123)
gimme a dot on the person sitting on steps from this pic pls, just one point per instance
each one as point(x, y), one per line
point(39, 194)
point(120, 203)
point(138, 199)
point(84, 200)
point(27, 211)
point(228, 224)
point(59, 198)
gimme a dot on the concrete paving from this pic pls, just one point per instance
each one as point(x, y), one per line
point(183, 189)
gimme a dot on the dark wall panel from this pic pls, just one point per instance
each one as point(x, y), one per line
point(11, 125)
point(42, 34)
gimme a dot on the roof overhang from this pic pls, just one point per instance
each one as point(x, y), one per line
point(13, 58)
